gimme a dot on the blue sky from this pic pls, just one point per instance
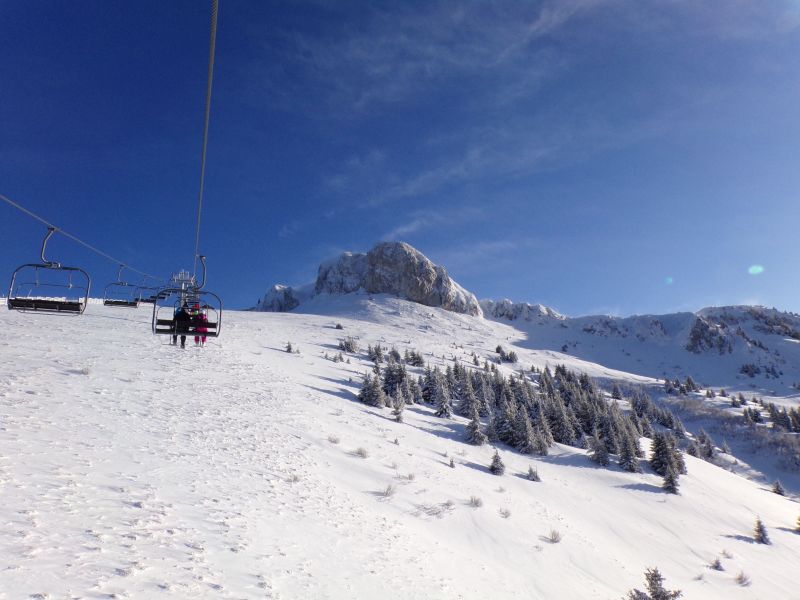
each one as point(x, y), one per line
point(593, 155)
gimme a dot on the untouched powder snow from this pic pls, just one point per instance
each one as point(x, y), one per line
point(133, 469)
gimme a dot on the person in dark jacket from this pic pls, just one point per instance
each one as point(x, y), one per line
point(182, 323)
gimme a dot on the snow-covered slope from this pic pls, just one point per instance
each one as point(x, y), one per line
point(130, 468)
point(751, 348)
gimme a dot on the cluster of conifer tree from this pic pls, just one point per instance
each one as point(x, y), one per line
point(528, 411)
point(788, 420)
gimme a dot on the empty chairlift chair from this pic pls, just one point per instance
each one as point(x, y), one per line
point(49, 287)
point(121, 294)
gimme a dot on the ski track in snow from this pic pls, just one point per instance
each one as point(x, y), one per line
point(130, 468)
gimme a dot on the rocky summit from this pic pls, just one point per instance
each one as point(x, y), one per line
point(394, 268)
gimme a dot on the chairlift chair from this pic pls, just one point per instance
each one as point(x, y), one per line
point(186, 292)
point(49, 286)
point(121, 294)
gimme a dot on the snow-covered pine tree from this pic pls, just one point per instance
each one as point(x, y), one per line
point(468, 400)
point(560, 423)
point(760, 532)
point(376, 396)
point(616, 392)
point(398, 404)
point(692, 449)
point(598, 451)
point(428, 385)
point(778, 488)
point(441, 398)
point(627, 454)
point(505, 416)
point(525, 437)
point(533, 474)
point(485, 395)
point(491, 430)
point(660, 455)
point(670, 484)
point(497, 467)
point(474, 434)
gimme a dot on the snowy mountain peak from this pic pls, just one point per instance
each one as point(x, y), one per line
point(389, 268)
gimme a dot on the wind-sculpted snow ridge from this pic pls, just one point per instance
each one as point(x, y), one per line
point(389, 268)
point(130, 468)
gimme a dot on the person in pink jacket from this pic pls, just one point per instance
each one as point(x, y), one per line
point(200, 318)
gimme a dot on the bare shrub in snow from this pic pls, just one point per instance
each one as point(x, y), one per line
point(505, 513)
point(339, 326)
point(760, 533)
point(388, 491)
point(716, 565)
point(727, 554)
point(475, 502)
point(742, 579)
point(362, 452)
point(85, 371)
point(349, 345)
point(334, 439)
point(294, 478)
point(554, 536)
point(533, 474)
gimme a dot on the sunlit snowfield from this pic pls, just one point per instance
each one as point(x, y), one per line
point(132, 468)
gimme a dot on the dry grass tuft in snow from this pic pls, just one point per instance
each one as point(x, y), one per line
point(554, 536)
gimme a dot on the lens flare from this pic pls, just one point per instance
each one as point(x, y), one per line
point(756, 270)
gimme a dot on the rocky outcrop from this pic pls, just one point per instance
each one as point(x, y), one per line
point(389, 268)
point(512, 311)
point(279, 298)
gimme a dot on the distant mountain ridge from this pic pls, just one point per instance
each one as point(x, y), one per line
point(754, 344)
point(389, 268)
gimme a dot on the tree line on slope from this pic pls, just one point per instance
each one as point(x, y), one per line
point(530, 412)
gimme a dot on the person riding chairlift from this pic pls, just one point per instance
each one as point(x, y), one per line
point(182, 322)
point(201, 318)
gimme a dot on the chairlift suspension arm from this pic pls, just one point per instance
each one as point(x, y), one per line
point(48, 263)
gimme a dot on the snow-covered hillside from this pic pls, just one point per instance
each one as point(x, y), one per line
point(131, 468)
point(750, 348)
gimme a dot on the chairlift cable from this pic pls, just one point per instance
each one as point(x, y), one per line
point(75, 238)
point(212, 47)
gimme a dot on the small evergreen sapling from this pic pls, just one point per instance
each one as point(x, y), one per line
point(778, 488)
point(497, 467)
point(655, 588)
point(533, 475)
point(760, 533)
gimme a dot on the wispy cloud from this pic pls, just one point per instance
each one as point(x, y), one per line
point(425, 220)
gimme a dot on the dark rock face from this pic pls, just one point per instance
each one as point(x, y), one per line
point(399, 269)
point(279, 298)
